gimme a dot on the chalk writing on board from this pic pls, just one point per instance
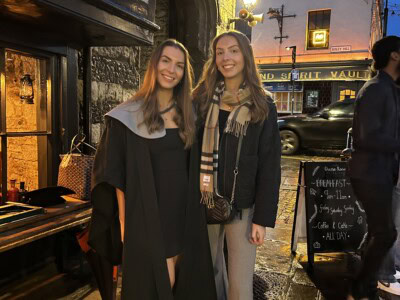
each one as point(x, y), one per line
point(330, 183)
point(315, 213)
point(336, 219)
point(317, 245)
point(359, 207)
point(315, 171)
point(364, 240)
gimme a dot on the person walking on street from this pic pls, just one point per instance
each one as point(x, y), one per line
point(389, 273)
point(234, 107)
point(374, 164)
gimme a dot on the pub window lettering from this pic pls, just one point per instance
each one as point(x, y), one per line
point(318, 29)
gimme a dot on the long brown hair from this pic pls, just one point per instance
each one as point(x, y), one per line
point(182, 95)
point(211, 76)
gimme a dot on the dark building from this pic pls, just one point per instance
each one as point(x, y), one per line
point(63, 64)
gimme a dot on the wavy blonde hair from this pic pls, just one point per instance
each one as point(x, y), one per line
point(184, 118)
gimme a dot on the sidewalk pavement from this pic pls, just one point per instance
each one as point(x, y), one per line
point(278, 274)
point(282, 275)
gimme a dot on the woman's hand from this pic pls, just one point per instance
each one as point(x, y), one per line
point(257, 235)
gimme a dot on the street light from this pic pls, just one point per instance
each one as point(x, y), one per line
point(249, 4)
point(252, 20)
point(246, 14)
point(292, 74)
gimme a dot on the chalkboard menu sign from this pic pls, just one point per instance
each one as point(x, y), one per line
point(334, 219)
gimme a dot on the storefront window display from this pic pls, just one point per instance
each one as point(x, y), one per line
point(283, 99)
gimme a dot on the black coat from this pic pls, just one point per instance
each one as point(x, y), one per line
point(259, 175)
point(123, 161)
point(376, 132)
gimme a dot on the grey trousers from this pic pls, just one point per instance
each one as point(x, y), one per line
point(238, 283)
point(392, 259)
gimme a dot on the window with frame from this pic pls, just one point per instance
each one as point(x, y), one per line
point(347, 94)
point(318, 29)
point(25, 123)
point(283, 99)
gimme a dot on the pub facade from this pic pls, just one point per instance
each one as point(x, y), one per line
point(63, 65)
point(330, 52)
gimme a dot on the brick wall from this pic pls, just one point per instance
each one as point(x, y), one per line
point(22, 152)
point(115, 78)
point(162, 20)
point(117, 71)
point(227, 10)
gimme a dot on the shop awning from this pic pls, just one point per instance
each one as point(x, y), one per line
point(78, 23)
point(331, 71)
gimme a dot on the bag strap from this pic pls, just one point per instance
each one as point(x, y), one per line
point(81, 141)
point(236, 170)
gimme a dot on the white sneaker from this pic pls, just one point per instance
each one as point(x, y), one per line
point(397, 275)
point(391, 288)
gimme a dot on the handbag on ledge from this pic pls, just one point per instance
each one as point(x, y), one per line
point(75, 169)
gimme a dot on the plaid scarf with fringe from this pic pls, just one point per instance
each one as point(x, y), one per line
point(236, 124)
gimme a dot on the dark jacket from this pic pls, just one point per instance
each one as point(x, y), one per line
point(259, 168)
point(123, 161)
point(376, 132)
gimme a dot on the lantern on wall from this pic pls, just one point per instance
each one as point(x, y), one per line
point(26, 89)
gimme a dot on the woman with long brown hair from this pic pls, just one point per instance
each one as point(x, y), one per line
point(145, 191)
point(239, 120)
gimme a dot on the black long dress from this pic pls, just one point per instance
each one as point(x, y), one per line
point(170, 169)
point(124, 161)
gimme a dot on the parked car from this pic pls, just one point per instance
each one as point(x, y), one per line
point(325, 129)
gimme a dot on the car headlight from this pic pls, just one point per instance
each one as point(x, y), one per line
point(281, 123)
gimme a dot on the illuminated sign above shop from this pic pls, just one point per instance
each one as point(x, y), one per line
point(319, 37)
point(349, 73)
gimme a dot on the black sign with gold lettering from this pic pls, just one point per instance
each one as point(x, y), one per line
point(348, 73)
point(335, 220)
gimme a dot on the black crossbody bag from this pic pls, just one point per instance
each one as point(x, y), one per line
point(224, 210)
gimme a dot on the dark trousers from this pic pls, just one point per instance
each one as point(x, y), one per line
point(377, 202)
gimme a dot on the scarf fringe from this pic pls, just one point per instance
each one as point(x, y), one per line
point(236, 128)
point(207, 198)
